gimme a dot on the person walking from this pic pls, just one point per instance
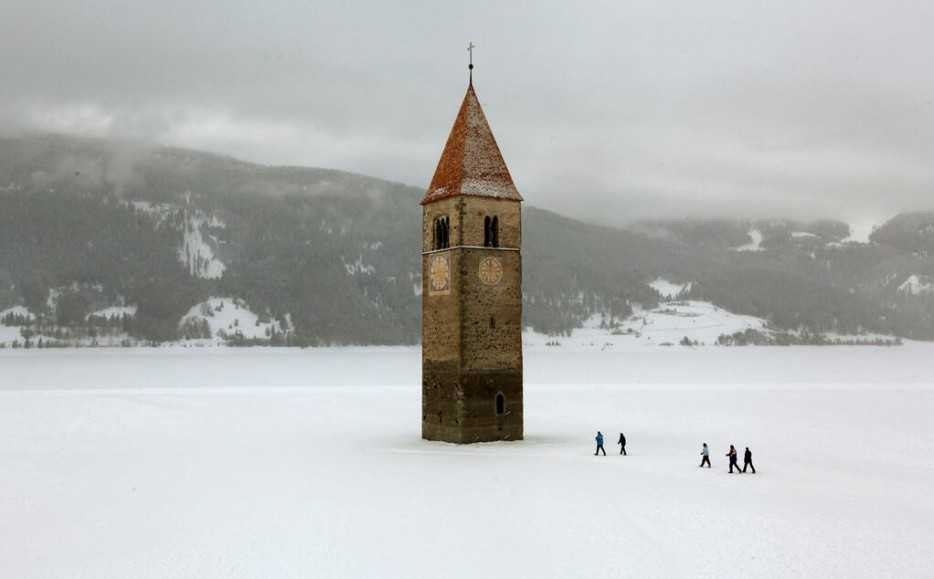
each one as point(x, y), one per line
point(599, 440)
point(732, 456)
point(705, 453)
point(747, 461)
point(622, 444)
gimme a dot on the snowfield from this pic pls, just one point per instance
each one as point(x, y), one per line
point(112, 311)
point(196, 253)
point(917, 285)
point(669, 290)
point(755, 244)
point(227, 317)
point(665, 325)
point(308, 463)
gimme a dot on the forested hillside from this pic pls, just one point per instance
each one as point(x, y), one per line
point(107, 238)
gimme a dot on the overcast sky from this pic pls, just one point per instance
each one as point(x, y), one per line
point(604, 110)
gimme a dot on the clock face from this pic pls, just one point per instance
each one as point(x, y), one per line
point(491, 270)
point(439, 274)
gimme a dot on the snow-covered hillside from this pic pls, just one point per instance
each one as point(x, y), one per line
point(669, 290)
point(804, 235)
point(309, 463)
point(9, 334)
point(160, 212)
point(860, 231)
point(227, 317)
point(17, 311)
point(195, 252)
point(17, 327)
point(114, 311)
point(755, 244)
point(917, 285)
point(666, 325)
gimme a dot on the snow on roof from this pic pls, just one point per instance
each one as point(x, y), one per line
point(471, 163)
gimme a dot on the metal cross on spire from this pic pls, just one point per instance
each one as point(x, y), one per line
point(470, 47)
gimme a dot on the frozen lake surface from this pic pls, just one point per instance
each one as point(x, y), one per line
point(308, 463)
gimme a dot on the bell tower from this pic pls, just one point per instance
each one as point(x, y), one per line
point(471, 289)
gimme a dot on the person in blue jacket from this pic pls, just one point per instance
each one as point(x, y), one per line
point(599, 440)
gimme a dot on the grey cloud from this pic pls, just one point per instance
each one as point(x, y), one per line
point(605, 110)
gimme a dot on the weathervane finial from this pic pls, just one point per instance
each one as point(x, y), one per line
point(470, 47)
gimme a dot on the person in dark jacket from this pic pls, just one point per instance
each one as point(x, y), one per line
point(732, 456)
point(622, 444)
point(705, 453)
point(747, 461)
point(599, 440)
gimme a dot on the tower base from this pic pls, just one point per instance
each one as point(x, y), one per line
point(473, 406)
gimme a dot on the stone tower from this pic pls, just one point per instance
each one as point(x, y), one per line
point(471, 289)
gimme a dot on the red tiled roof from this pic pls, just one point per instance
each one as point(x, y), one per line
point(471, 163)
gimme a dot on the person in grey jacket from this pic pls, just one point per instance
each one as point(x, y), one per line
point(705, 453)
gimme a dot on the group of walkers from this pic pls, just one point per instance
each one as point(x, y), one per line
point(730, 454)
point(621, 443)
point(705, 454)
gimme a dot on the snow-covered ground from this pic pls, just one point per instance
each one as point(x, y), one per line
point(666, 325)
point(861, 230)
point(308, 463)
point(20, 311)
point(755, 244)
point(9, 333)
point(229, 317)
point(803, 235)
point(917, 285)
point(118, 311)
point(669, 290)
point(196, 253)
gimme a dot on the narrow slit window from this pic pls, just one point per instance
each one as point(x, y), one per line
point(500, 404)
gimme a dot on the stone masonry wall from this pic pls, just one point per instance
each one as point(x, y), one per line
point(472, 337)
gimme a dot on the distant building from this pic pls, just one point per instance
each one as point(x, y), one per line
point(472, 289)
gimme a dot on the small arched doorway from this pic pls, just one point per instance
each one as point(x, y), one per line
point(500, 404)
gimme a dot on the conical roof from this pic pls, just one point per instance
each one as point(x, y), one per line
point(471, 163)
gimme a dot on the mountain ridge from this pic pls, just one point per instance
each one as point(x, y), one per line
point(331, 256)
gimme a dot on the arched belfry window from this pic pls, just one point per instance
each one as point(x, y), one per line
point(491, 231)
point(500, 404)
point(441, 237)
